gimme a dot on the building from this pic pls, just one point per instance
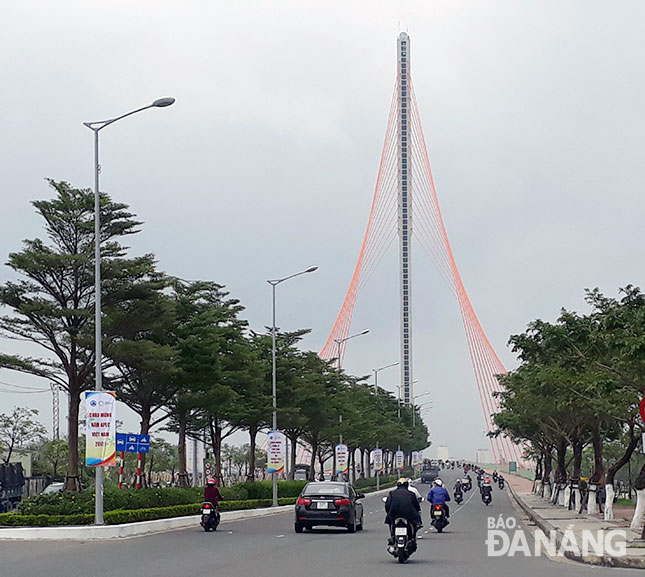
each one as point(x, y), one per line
point(443, 454)
point(483, 456)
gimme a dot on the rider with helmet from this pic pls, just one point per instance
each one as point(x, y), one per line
point(402, 503)
point(438, 495)
point(211, 492)
point(414, 490)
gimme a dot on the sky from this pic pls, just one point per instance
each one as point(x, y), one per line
point(266, 163)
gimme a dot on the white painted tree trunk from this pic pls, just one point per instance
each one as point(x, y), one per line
point(538, 487)
point(547, 491)
point(563, 499)
point(592, 505)
point(639, 513)
point(609, 502)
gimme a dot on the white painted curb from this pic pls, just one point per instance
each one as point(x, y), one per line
point(94, 533)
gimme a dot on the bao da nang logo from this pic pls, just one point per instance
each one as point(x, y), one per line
point(505, 538)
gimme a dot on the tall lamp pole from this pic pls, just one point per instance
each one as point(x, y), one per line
point(376, 372)
point(339, 342)
point(274, 387)
point(96, 127)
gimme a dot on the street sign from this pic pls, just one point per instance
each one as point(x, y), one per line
point(131, 443)
point(642, 408)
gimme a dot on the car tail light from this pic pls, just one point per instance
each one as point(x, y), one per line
point(302, 501)
point(341, 501)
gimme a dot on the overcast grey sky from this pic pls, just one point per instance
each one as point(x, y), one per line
point(266, 164)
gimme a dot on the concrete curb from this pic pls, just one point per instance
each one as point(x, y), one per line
point(139, 529)
point(97, 533)
point(626, 562)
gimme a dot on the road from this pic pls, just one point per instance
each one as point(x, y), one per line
point(268, 547)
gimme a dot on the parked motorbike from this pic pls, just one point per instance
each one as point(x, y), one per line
point(405, 542)
point(438, 517)
point(210, 517)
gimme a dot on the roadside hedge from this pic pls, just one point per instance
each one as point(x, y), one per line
point(120, 516)
point(126, 499)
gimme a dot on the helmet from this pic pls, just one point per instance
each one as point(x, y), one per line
point(438, 482)
point(401, 481)
point(488, 479)
point(211, 482)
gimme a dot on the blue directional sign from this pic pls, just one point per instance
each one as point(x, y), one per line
point(131, 443)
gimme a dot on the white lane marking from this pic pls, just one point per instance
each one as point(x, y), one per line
point(466, 503)
point(279, 536)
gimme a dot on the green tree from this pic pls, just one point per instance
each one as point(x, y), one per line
point(17, 430)
point(52, 305)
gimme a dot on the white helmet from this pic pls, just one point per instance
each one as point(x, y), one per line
point(438, 482)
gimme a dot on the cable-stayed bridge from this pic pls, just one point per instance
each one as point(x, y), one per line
point(405, 206)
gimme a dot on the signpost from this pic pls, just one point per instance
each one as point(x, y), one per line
point(377, 459)
point(131, 443)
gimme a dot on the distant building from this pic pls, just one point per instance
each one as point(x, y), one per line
point(483, 456)
point(443, 453)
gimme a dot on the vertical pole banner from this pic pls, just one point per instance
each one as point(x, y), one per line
point(413, 458)
point(398, 460)
point(377, 460)
point(342, 459)
point(100, 429)
point(275, 452)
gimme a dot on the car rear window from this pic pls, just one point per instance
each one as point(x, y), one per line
point(324, 489)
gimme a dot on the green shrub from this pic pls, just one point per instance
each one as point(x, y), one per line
point(264, 489)
point(18, 520)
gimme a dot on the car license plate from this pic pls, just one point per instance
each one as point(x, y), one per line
point(322, 505)
point(438, 513)
point(401, 531)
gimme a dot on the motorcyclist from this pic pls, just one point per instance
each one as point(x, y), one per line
point(438, 495)
point(402, 503)
point(486, 488)
point(211, 493)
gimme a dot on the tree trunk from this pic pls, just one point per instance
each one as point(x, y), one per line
point(292, 454)
point(253, 432)
point(72, 480)
point(312, 461)
point(144, 429)
point(598, 466)
point(182, 475)
point(617, 466)
point(546, 473)
point(639, 513)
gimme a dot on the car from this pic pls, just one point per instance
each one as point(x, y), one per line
point(429, 474)
point(330, 503)
point(53, 488)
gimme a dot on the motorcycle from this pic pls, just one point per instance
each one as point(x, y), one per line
point(438, 517)
point(500, 482)
point(467, 484)
point(487, 494)
point(459, 497)
point(210, 517)
point(405, 542)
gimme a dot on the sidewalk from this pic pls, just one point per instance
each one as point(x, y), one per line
point(550, 517)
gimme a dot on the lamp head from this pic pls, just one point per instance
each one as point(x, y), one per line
point(161, 102)
point(311, 269)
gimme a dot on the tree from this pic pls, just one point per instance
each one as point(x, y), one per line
point(52, 305)
point(50, 455)
point(18, 430)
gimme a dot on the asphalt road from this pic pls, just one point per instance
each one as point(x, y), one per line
point(269, 547)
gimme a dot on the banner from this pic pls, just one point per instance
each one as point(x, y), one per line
point(414, 458)
point(398, 460)
point(100, 428)
point(342, 459)
point(377, 460)
point(276, 450)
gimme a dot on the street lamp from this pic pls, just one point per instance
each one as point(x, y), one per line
point(339, 342)
point(273, 284)
point(96, 127)
point(414, 406)
point(376, 372)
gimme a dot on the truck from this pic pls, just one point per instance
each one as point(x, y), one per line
point(429, 473)
point(12, 481)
